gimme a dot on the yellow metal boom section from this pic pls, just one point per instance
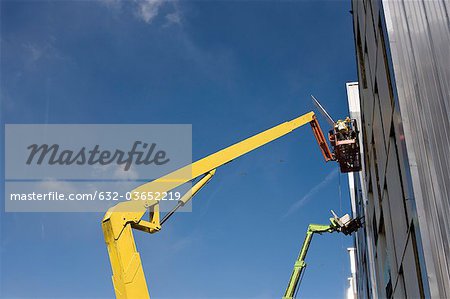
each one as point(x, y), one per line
point(128, 275)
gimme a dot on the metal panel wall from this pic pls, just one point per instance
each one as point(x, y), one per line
point(418, 33)
point(403, 57)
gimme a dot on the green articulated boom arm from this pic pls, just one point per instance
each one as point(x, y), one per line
point(300, 264)
point(345, 225)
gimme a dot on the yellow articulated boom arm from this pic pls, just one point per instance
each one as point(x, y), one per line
point(118, 222)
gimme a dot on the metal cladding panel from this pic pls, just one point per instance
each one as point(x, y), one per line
point(391, 236)
point(361, 13)
point(375, 189)
point(419, 42)
point(376, 13)
point(377, 196)
point(403, 161)
point(354, 6)
point(380, 146)
point(410, 271)
point(371, 45)
point(396, 204)
point(368, 107)
point(399, 288)
point(384, 93)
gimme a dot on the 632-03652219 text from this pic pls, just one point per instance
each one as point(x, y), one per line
point(96, 195)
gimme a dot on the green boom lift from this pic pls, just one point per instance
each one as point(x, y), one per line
point(344, 224)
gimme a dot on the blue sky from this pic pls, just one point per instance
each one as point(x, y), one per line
point(229, 68)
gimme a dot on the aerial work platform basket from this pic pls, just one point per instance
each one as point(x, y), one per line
point(345, 143)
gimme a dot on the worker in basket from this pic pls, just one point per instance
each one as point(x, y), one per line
point(343, 129)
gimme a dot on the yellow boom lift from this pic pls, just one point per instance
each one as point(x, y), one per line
point(119, 221)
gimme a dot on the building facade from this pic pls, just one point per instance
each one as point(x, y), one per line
point(402, 104)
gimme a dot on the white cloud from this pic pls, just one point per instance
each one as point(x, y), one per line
point(41, 52)
point(307, 197)
point(122, 174)
point(118, 172)
point(35, 52)
point(173, 18)
point(147, 10)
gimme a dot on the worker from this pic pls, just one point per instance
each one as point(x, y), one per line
point(342, 128)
